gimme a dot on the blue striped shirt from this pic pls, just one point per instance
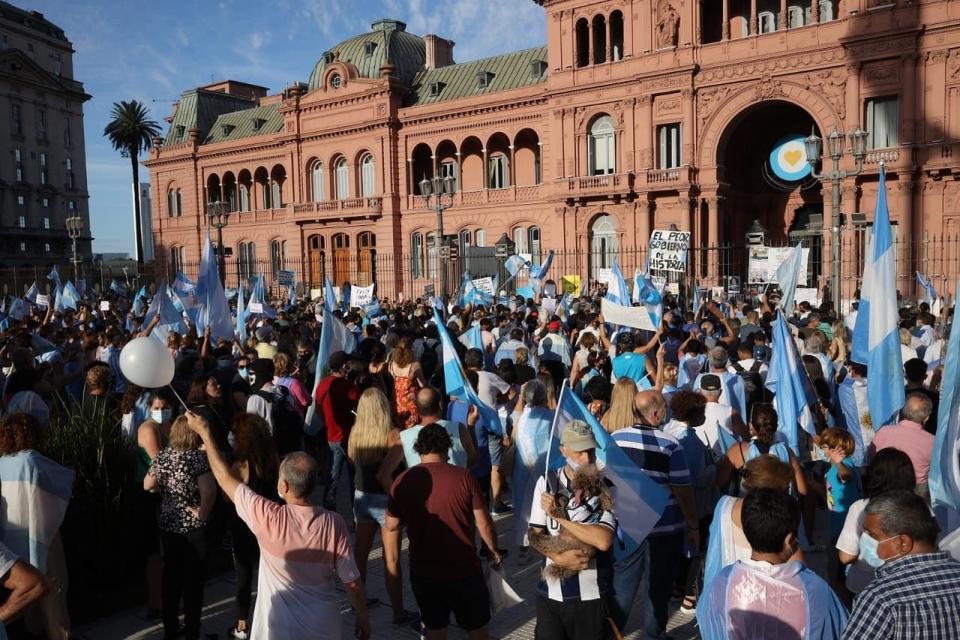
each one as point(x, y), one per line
point(662, 458)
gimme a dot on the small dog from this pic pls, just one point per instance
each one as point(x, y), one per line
point(591, 495)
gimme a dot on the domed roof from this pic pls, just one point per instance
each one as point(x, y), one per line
point(387, 41)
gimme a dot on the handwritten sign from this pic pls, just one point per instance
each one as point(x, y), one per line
point(430, 290)
point(484, 285)
point(806, 294)
point(43, 301)
point(104, 306)
point(286, 278)
point(255, 307)
point(668, 250)
point(636, 317)
point(361, 296)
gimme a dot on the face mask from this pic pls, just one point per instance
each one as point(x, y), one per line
point(161, 416)
point(243, 373)
point(868, 550)
point(573, 465)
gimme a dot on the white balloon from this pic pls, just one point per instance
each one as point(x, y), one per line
point(147, 363)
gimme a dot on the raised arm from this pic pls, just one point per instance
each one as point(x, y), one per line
point(222, 472)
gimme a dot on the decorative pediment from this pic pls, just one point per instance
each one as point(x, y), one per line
point(14, 63)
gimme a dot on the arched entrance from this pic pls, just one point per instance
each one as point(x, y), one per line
point(603, 244)
point(763, 176)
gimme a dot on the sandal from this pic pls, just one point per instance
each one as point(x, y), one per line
point(689, 604)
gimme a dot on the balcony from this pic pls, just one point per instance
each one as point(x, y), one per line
point(887, 156)
point(347, 209)
point(667, 179)
point(482, 197)
point(611, 186)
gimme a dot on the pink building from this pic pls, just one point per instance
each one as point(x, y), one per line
point(637, 115)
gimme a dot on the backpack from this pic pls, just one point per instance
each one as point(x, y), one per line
point(287, 423)
point(753, 388)
point(429, 360)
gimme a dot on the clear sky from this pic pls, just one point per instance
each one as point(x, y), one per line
point(151, 51)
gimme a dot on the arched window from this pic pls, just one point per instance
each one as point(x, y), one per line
point(278, 257)
point(276, 195)
point(177, 255)
point(601, 147)
point(795, 16)
point(603, 244)
point(480, 237)
point(768, 22)
point(826, 10)
point(244, 197)
point(449, 168)
point(316, 181)
point(171, 203)
point(520, 240)
point(343, 183)
point(498, 172)
point(179, 202)
point(368, 176)
point(416, 256)
point(465, 239)
point(583, 42)
point(246, 260)
point(599, 39)
point(616, 36)
point(341, 258)
point(533, 244)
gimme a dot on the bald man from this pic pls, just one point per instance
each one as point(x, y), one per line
point(909, 436)
point(463, 452)
point(661, 457)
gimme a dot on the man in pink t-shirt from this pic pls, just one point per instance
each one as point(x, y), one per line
point(302, 547)
point(909, 436)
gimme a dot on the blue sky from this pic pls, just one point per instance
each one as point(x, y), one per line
point(129, 49)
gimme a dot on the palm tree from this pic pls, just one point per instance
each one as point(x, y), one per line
point(131, 131)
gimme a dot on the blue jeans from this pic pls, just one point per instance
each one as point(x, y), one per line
point(629, 572)
point(338, 456)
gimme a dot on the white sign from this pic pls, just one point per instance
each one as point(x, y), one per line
point(668, 250)
point(484, 285)
point(104, 306)
point(316, 294)
point(674, 288)
point(43, 301)
point(636, 317)
point(808, 294)
point(605, 276)
point(764, 262)
point(255, 307)
point(361, 296)
point(548, 306)
point(717, 294)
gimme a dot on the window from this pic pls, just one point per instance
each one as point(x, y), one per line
point(67, 133)
point(43, 168)
point(480, 238)
point(72, 204)
point(22, 222)
point(601, 147)
point(537, 68)
point(520, 240)
point(18, 164)
point(599, 39)
point(826, 10)
point(668, 136)
point(484, 78)
point(768, 22)
point(449, 168)
point(533, 244)
point(795, 16)
point(46, 223)
point(603, 244)
point(583, 42)
point(46, 247)
point(41, 124)
point(343, 182)
point(56, 63)
point(336, 81)
point(416, 256)
point(177, 255)
point(179, 131)
point(278, 256)
point(465, 239)
point(368, 178)
point(21, 200)
point(244, 198)
point(436, 88)
point(23, 247)
point(276, 199)
point(45, 203)
point(616, 35)
point(171, 203)
point(246, 260)
point(258, 123)
point(369, 48)
point(883, 122)
point(179, 202)
point(316, 181)
point(16, 117)
point(432, 255)
point(498, 172)
point(70, 180)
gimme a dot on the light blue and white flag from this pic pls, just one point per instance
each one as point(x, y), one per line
point(617, 290)
point(538, 273)
point(214, 310)
point(259, 296)
point(646, 292)
point(19, 309)
point(69, 297)
point(117, 287)
point(170, 319)
point(527, 293)
point(944, 476)
point(794, 397)
point(697, 292)
point(640, 500)
point(876, 337)
point(329, 296)
point(138, 301)
point(472, 339)
point(334, 336)
point(53, 275)
point(241, 317)
point(929, 292)
point(788, 275)
point(32, 293)
point(184, 285)
point(515, 264)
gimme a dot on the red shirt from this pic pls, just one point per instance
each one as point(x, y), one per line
point(337, 398)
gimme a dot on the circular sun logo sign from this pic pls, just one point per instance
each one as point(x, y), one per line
point(789, 159)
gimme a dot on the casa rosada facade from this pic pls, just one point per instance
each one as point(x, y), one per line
point(635, 116)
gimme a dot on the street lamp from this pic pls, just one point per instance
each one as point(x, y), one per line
point(74, 227)
point(218, 212)
point(438, 195)
point(814, 147)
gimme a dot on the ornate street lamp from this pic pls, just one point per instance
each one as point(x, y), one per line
point(219, 213)
point(438, 196)
point(74, 226)
point(814, 149)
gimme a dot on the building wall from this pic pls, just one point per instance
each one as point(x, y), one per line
point(673, 65)
point(146, 217)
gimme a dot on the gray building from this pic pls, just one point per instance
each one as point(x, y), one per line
point(145, 218)
point(43, 176)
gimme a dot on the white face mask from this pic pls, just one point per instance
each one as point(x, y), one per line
point(573, 465)
point(161, 416)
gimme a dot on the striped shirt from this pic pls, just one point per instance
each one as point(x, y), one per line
point(596, 580)
point(661, 457)
point(916, 597)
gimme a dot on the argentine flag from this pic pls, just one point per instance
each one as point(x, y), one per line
point(876, 338)
point(787, 379)
point(639, 500)
point(183, 285)
point(334, 336)
point(930, 294)
point(472, 339)
point(329, 296)
point(945, 466)
point(617, 290)
point(241, 317)
point(32, 293)
point(515, 264)
point(213, 307)
point(788, 275)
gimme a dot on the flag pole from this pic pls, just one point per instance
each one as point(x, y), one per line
point(553, 432)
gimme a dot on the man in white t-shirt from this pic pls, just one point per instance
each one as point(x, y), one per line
point(717, 416)
point(302, 547)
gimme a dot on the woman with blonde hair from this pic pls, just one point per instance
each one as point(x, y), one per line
point(407, 380)
point(373, 437)
point(840, 345)
point(620, 414)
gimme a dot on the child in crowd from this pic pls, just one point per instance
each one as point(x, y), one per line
point(842, 485)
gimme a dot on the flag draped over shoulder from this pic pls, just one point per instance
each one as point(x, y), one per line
point(876, 337)
point(639, 500)
point(794, 397)
point(944, 476)
point(214, 310)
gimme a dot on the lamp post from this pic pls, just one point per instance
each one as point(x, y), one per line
point(219, 212)
point(438, 195)
point(814, 147)
point(74, 226)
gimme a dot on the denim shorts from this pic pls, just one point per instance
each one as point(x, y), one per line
point(495, 446)
point(370, 507)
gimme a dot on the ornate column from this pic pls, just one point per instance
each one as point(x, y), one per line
point(410, 184)
point(646, 132)
point(589, 42)
point(753, 18)
point(852, 97)
point(782, 18)
point(851, 260)
point(513, 170)
point(713, 237)
point(908, 81)
point(725, 28)
point(486, 169)
point(687, 128)
point(905, 239)
point(815, 11)
point(643, 221)
point(609, 41)
point(459, 172)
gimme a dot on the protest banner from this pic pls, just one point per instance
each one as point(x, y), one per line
point(807, 294)
point(104, 305)
point(635, 317)
point(605, 276)
point(548, 306)
point(255, 307)
point(287, 278)
point(361, 296)
point(717, 293)
point(570, 284)
point(764, 262)
point(316, 294)
point(429, 291)
point(485, 285)
point(44, 301)
point(668, 250)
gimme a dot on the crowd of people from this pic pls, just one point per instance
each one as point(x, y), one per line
point(266, 443)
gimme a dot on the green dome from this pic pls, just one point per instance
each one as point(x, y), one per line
point(388, 41)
